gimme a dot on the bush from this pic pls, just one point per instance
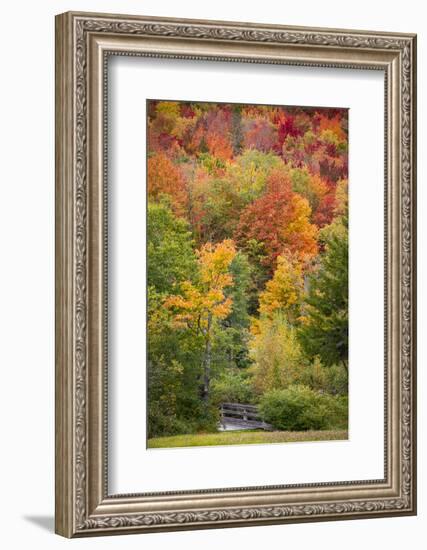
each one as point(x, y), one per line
point(300, 408)
point(338, 380)
point(160, 424)
point(339, 412)
point(232, 387)
point(333, 380)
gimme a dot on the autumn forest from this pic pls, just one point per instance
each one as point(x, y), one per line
point(247, 271)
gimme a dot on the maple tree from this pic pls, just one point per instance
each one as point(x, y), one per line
point(165, 178)
point(285, 290)
point(319, 193)
point(259, 134)
point(279, 220)
point(200, 306)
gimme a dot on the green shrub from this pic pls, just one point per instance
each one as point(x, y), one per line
point(338, 380)
point(333, 380)
point(301, 408)
point(162, 425)
point(339, 412)
point(232, 386)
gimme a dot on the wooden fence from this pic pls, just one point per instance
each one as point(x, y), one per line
point(240, 416)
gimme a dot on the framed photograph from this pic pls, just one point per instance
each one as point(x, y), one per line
point(235, 274)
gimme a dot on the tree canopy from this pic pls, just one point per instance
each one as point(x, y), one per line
point(247, 261)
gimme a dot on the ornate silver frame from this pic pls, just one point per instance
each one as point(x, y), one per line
point(83, 43)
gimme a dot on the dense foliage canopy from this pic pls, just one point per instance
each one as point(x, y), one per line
point(247, 252)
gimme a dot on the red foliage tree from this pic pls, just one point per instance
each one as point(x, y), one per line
point(325, 210)
point(259, 133)
point(165, 178)
point(279, 220)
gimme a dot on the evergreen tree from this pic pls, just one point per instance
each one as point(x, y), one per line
point(324, 331)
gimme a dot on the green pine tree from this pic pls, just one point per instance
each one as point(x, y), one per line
point(325, 332)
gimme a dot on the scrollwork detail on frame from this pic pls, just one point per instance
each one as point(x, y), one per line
point(83, 26)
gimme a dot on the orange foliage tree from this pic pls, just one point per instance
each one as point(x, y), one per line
point(279, 220)
point(165, 178)
point(200, 306)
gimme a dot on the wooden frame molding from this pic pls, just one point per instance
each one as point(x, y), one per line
point(83, 43)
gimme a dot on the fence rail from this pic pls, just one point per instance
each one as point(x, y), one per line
point(241, 416)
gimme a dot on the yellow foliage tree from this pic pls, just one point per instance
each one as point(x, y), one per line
point(284, 291)
point(199, 306)
point(300, 234)
point(276, 354)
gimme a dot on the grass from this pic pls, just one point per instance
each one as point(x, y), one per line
point(244, 437)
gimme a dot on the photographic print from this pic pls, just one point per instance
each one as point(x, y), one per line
point(247, 268)
point(201, 274)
